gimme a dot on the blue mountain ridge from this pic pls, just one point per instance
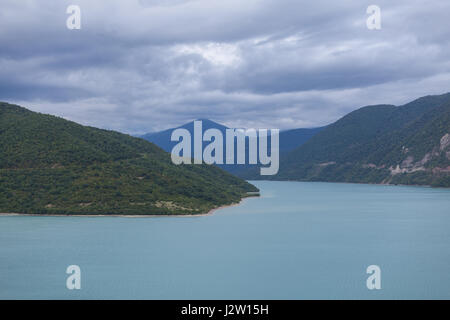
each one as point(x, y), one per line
point(289, 140)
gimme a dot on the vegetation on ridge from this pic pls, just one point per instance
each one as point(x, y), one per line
point(49, 165)
point(409, 144)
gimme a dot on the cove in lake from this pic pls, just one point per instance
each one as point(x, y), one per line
point(298, 240)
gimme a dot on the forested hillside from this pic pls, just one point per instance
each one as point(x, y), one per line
point(407, 144)
point(54, 166)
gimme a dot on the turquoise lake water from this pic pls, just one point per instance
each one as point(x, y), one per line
point(297, 241)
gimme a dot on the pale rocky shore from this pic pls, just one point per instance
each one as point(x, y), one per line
point(210, 212)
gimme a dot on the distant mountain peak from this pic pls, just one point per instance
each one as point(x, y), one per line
point(209, 123)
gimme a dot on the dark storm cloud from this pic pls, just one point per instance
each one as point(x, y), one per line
point(145, 65)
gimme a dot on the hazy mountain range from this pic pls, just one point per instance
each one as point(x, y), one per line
point(289, 140)
point(389, 144)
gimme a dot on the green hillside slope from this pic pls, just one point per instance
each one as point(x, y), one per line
point(379, 144)
point(54, 166)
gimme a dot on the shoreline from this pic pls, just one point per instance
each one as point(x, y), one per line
point(209, 213)
point(358, 183)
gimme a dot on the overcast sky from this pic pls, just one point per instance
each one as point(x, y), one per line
point(141, 66)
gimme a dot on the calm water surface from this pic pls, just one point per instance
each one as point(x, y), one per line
point(298, 240)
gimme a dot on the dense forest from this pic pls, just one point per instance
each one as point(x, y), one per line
point(49, 165)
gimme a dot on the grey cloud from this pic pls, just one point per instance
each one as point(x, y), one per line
point(146, 65)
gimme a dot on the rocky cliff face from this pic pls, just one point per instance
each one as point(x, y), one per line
point(410, 164)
